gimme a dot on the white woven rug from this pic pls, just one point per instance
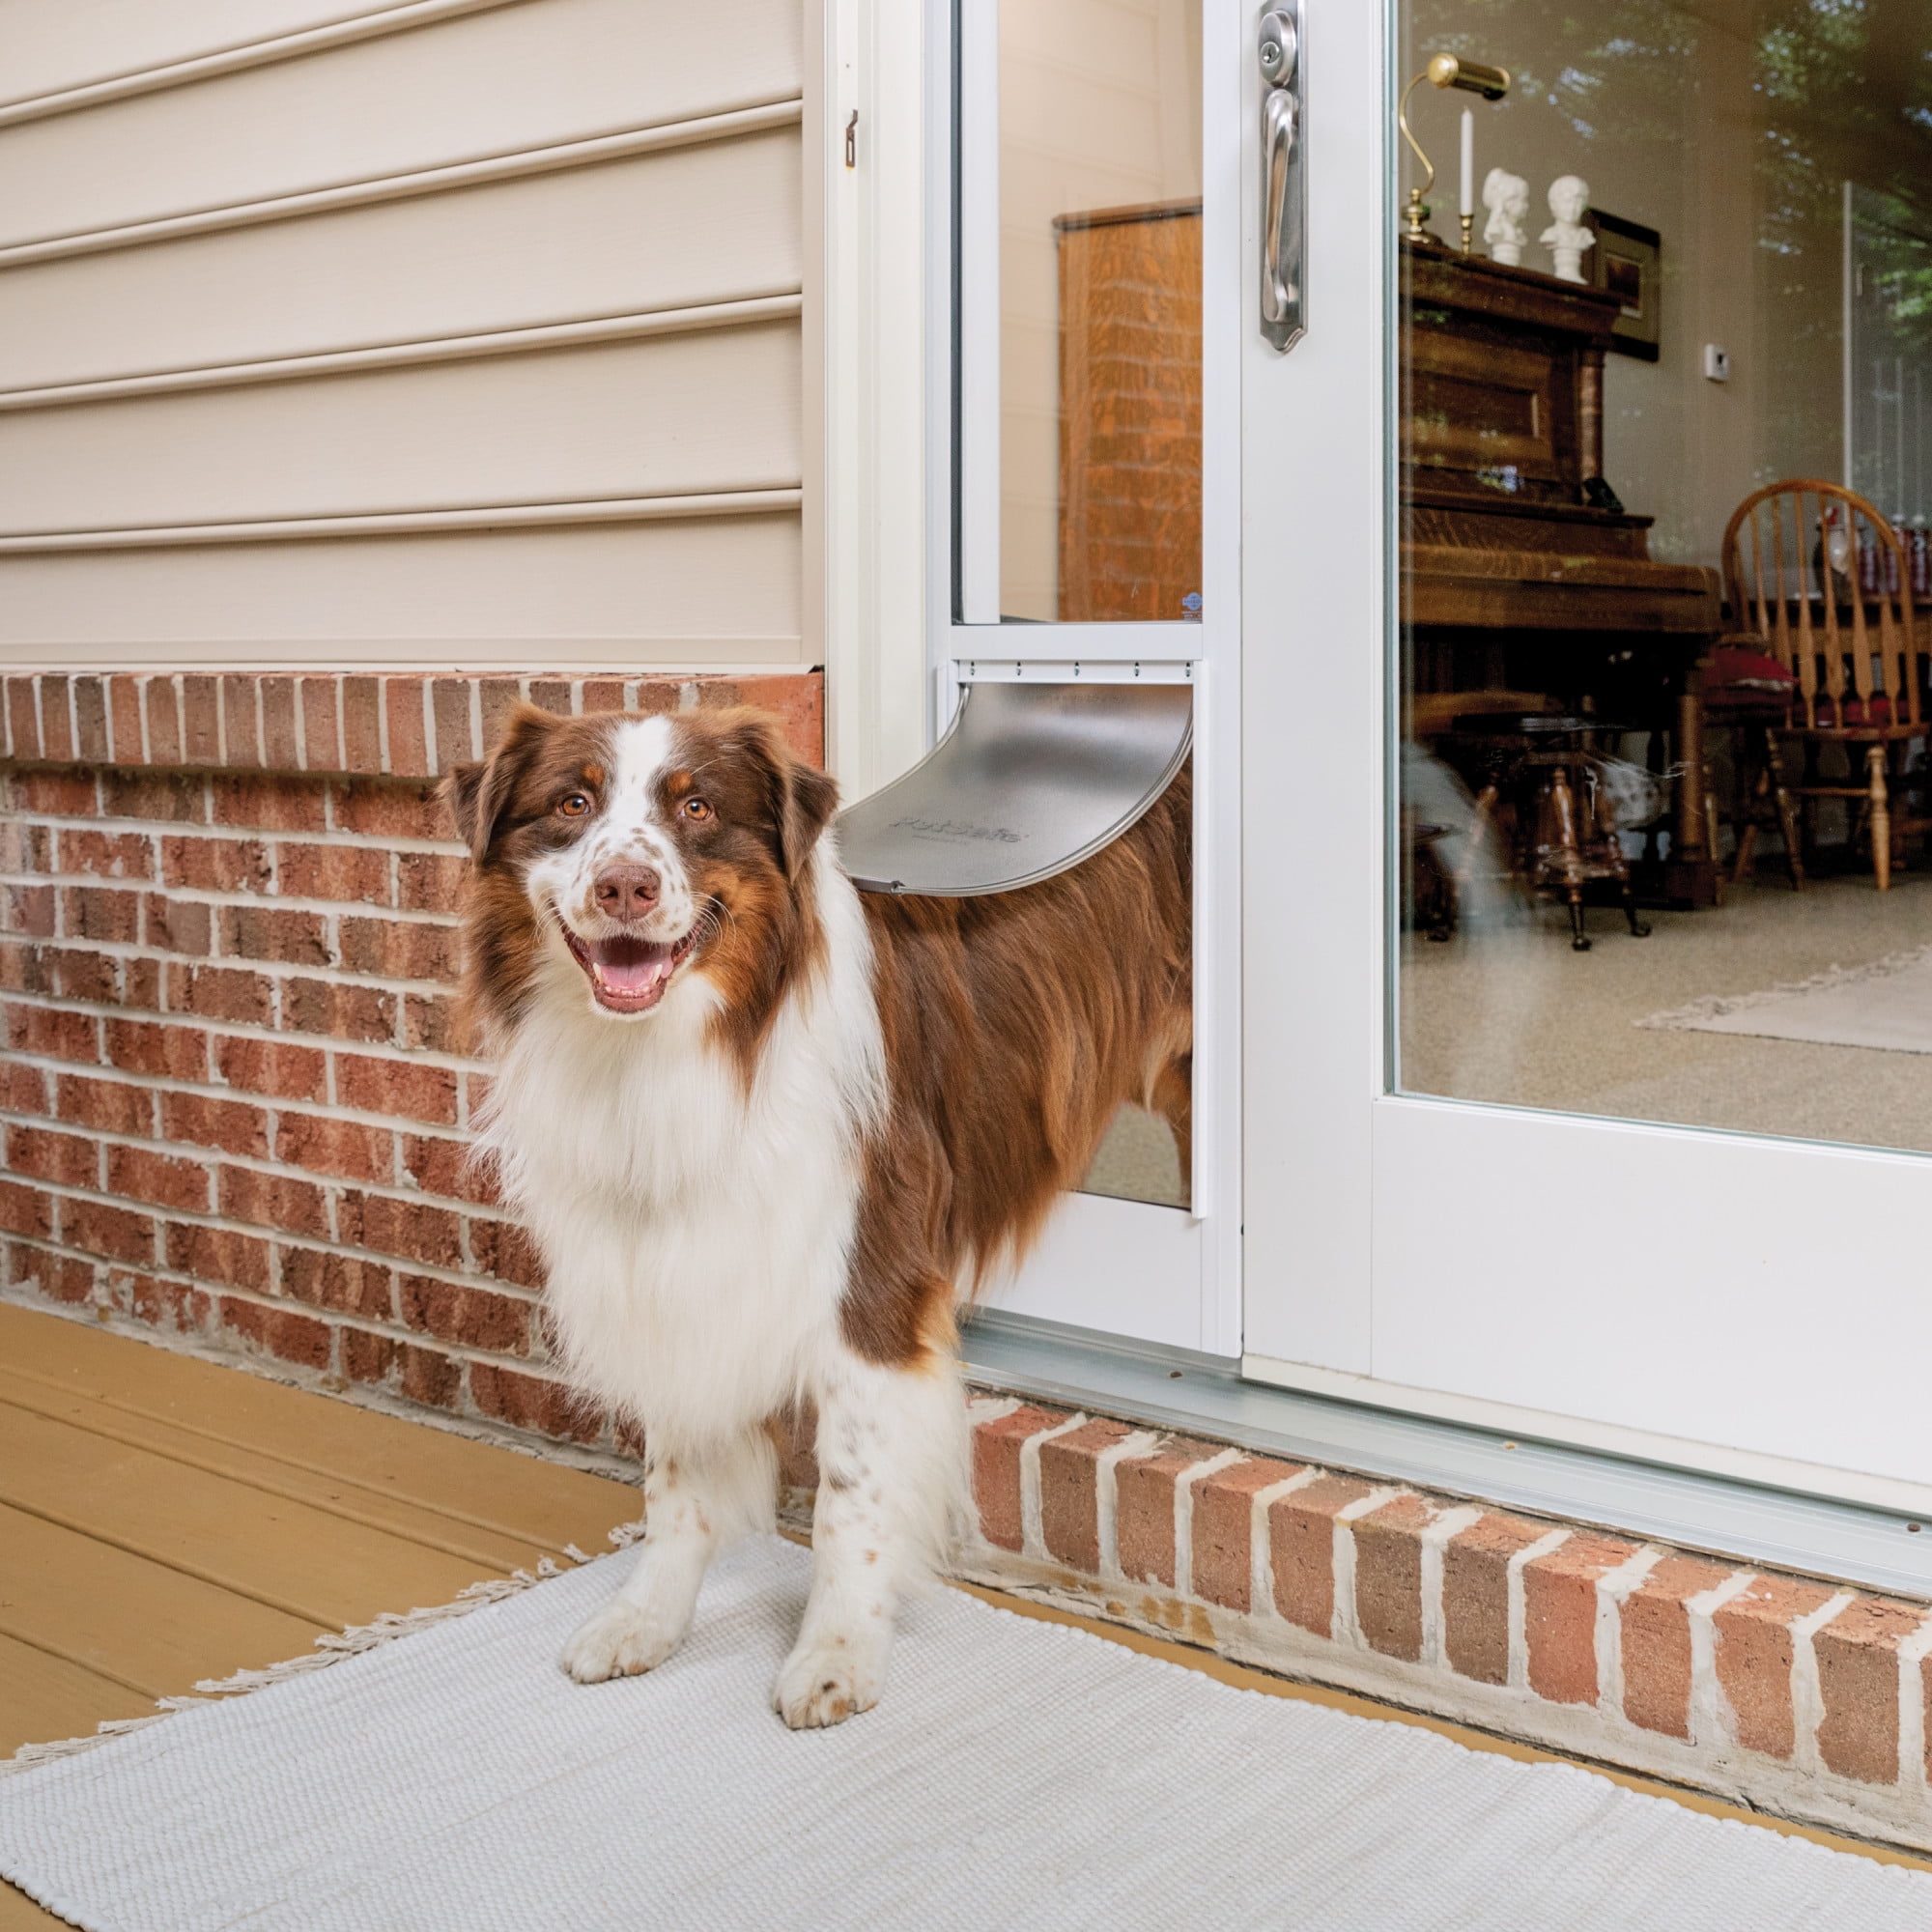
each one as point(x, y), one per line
point(1018, 1773)
point(1885, 1004)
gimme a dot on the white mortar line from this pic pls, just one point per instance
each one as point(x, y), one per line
point(220, 1028)
point(1033, 1539)
point(429, 726)
point(1436, 1536)
point(141, 685)
point(1261, 1540)
point(988, 1408)
point(1912, 1653)
point(1343, 1625)
point(382, 724)
point(1518, 1633)
point(1107, 1496)
point(213, 896)
point(1183, 1514)
point(1614, 1588)
point(1807, 1696)
point(1714, 1725)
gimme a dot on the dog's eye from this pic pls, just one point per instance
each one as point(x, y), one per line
point(696, 810)
point(573, 805)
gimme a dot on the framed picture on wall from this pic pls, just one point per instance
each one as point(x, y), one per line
point(1624, 263)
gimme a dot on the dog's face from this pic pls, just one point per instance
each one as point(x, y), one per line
point(645, 849)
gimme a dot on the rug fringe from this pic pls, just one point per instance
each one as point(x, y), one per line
point(331, 1647)
point(1717, 1005)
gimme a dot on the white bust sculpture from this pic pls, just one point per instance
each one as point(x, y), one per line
point(1566, 238)
point(1507, 198)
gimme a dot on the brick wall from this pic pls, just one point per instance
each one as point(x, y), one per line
point(233, 1103)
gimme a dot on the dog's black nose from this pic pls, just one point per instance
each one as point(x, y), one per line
point(626, 891)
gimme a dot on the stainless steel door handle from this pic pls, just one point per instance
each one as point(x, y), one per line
point(1284, 180)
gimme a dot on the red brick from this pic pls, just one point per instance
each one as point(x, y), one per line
point(59, 1277)
point(23, 969)
point(23, 720)
point(1389, 1575)
point(55, 794)
point(221, 993)
point(995, 1471)
point(346, 1284)
point(552, 694)
point(66, 1160)
point(281, 1332)
point(177, 1306)
point(504, 1250)
point(411, 1089)
point(1222, 1560)
point(201, 719)
point(141, 981)
point(378, 809)
point(399, 949)
point(430, 1378)
point(273, 932)
point(23, 1090)
point(602, 694)
point(152, 1047)
point(1655, 1633)
point(500, 697)
point(272, 802)
point(111, 1106)
point(276, 1201)
point(163, 1180)
point(797, 702)
point(430, 1025)
point(25, 1210)
point(428, 881)
point(322, 748)
point(27, 909)
point(56, 719)
point(271, 1066)
point(408, 745)
point(281, 743)
point(364, 1013)
point(1301, 1549)
point(231, 1126)
point(1755, 1651)
point(106, 855)
point(351, 873)
point(410, 1230)
point(345, 1149)
point(164, 742)
point(362, 725)
point(531, 1402)
point(1144, 1488)
point(1560, 1616)
point(241, 715)
point(1475, 1594)
point(173, 797)
point(180, 926)
point(90, 713)
point(218, 1254)
point(102, 914)
point(115, 1233)
point(455, 743)
point(216, 864)
point(1069, 1503)
point(1859, 1681)
point(78, 973)
point(442, 1166)
point(473, 1318)
point(26, 848)
point(52, 1032)
point(367, 1358)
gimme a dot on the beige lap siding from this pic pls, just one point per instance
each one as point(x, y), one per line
point(234, 1103)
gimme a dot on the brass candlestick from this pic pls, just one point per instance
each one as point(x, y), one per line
point(1443, 71)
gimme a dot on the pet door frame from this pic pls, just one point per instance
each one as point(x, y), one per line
point(1127, 1268)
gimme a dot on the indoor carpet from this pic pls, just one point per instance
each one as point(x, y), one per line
point(1017, 1773)
point(1887, 1005)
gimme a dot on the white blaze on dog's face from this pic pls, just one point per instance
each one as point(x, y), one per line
point(639, 847)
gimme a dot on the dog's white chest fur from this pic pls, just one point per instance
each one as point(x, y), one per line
point(698, 1237)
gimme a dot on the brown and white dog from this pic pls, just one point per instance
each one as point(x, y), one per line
point(764, 1129)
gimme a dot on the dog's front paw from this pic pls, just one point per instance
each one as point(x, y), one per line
point(622, 1640)
point(824, 1682)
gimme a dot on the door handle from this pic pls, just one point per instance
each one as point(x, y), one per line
point(1284, 180)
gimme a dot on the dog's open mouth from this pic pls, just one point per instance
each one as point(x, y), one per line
point(627, 974)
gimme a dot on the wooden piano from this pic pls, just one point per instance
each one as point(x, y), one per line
point(1513, 577)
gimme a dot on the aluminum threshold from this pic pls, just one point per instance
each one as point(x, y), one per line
point(1177, 1388)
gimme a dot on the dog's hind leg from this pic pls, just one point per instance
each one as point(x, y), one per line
point(891, 1502)
point(692, 1503)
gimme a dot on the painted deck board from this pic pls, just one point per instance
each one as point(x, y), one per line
point(164, 1520)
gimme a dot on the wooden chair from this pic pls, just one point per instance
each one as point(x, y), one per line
point(1818, 580)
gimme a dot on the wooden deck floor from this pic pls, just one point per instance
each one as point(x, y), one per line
point(164, 1520)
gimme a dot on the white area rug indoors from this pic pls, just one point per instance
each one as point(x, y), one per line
point(1018, 1773)
point(1885, 1004)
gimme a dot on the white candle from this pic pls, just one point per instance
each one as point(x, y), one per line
point(1468, 204)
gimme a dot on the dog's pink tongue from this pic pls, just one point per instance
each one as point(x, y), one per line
point(630, 966)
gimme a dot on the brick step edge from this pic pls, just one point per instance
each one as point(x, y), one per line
point(391, 725)
point(1774, 1692)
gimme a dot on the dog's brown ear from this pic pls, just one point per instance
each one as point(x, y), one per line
point(801, 797)
point(478, 795)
